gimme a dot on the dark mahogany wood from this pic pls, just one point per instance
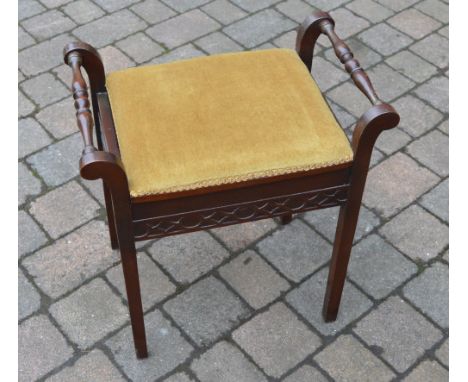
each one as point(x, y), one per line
point(131, 219)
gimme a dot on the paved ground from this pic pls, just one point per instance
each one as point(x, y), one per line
point(240, 303)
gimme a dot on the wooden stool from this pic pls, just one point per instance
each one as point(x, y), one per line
point(222, 140)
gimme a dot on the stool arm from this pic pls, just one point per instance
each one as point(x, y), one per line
point(95, 163)
point(84, 116)
point(321, 22)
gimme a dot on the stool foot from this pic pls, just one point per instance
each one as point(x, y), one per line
point(286, 219)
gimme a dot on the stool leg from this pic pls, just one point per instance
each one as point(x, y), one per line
point(344, 236)
point(110, 217)
point(132, 285)
point(286, 219)
point(124, 232)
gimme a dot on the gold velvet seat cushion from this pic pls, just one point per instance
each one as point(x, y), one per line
point(221, 119)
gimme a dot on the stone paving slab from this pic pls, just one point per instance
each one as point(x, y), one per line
point(242, 302)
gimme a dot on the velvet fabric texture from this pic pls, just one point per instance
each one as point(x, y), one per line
point(221, 119)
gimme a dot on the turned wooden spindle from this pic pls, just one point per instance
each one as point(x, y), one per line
point(352, 66)
point(84, 115)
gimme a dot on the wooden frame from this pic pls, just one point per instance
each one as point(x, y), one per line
point(142, 218)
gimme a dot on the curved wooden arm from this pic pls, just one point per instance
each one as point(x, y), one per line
point(84, 117)
point(321, 22)
point(94, 163)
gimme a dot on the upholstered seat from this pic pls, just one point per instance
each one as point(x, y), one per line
point(221, 119)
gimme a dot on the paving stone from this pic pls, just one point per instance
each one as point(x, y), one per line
point(376, 158)
point(183, 53)
point(415, 116)
point(59, 119)
point(43, 56)
point(185, 5)
point(258, 28)
point(224, 362)
point(48, 24)
point(224, 11)
point(253, 6)
point(216, 43)
point(437, 200)
point(435, 91)
point(140, 47)
point(206, 310)
point(428, 371)
point(187, 257)
point(306, 374)
point(152, 11)
point(31, 137)
point(433, 48)
point(378, 268)
point(416, 233)
point(395, 183)
point(347, 24)
point(109, 28)
point(83, 11)
point(326, 74)
point(25, 106)
point(369, 9)
point(30, 236)
point(72, 260)
point(166, 347)
point(21, 77)
point(95, 187)
point(326, 5)
point(34, 336)
point(397, 5)
point(24, 39)
point(350, 98)
point(411, 66)
point(154, 284)
point(28, 8)
point(28, 299)
point(88, 368)
point(113, 59)
point(54, 3)
point(308, 298)
point(366, 56)
point(44, 89)
point(195, 22)
point(324, 221)
point(444, 31)
point(388, 83)
point(287, 40)
point(347, 360)
point(432, 151)
point(238, 236)
point(430, 293)
point(401, 334)
point(385, 39)
point(435, 8)
point(342, 116)
point(114, 5)
point(442, 353)
point(179, 377)
point(58, 163)
point(276, 340)
point(392, 140)
point(90, 313)
point(252, 278)
point(28, 184)
point(63, 209)
point(295, 9)
point(296, 250)
point(414, 23)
